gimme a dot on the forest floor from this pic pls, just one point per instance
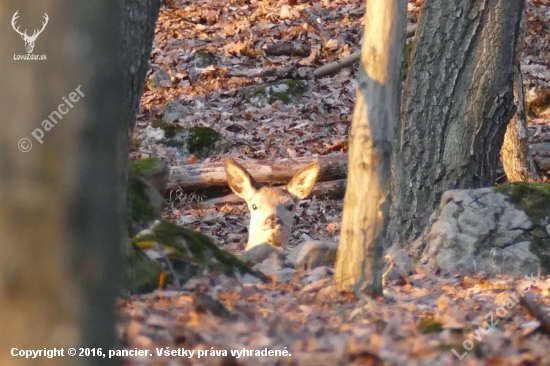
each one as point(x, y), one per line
point(419, 321)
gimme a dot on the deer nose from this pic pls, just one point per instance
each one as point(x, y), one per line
point(272, 221)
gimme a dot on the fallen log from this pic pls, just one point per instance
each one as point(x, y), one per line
point(287, 48)
point(333, 188)
point(280, 171)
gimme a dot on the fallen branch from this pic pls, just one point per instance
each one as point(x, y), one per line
point(287, 48)
point(334, 67)
point(281, 72)
point(334, 189)
point(312, 20)
point(200, 176)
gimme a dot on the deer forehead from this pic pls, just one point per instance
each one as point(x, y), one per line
point(271, 197)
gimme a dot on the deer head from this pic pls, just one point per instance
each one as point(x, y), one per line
point(271, 208)
point(29, 40)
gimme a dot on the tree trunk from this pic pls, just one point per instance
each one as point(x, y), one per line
point(367, 199)
point(458, 100)
point(58, 218)
point(515, 155)
point(201, 176)
point(138, 31)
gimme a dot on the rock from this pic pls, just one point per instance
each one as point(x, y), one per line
point(271, 265)
point(248, 279)
point(312, 254)
point(284, 275)
point(259, 253)
point(199, 61)
point(516, 259)
point(287, 91)
point(158, 80)
point(495, 230)
point(316, 274)
point(401, 265)
point(182, 142)
point(173, 111)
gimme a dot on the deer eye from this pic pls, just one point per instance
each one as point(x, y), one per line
point(290, 207)
point(254, 207)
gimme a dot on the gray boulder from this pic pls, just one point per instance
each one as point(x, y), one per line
point(259, 253)
point(312, 254)
point(495, 230)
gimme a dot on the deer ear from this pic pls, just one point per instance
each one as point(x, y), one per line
point(303, 181)
point(239, 180)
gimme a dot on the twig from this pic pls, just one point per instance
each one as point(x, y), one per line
point(312, 20)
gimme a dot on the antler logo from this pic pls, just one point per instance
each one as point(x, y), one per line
point(29, 40)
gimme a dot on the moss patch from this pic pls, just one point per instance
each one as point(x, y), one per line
point(190, 252)
point(142, 165)
point(408, 58)
point(430, 326)
point(141, 274)
point(202, 141)
point(534, 199)
point(170, 129)
point(143, 175)
point(285, 90)
point(141, 210)
point(203, 59)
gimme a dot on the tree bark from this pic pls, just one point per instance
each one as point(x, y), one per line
point(201, 176)
point(138, 31)
point(139, 19)
point(367, 199)
point(58, 216)
point(458, 100)
point(515, 155)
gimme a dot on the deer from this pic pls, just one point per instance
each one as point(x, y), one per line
point(29, 40)
point(271, 208)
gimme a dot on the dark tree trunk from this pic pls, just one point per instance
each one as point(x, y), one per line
point(58, 219)
point(458, 100)
point(138, 31)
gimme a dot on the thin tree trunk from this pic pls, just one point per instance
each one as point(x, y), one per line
point(367, 199)
point(458, 100)
point(515, 155)
point(58, 219)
